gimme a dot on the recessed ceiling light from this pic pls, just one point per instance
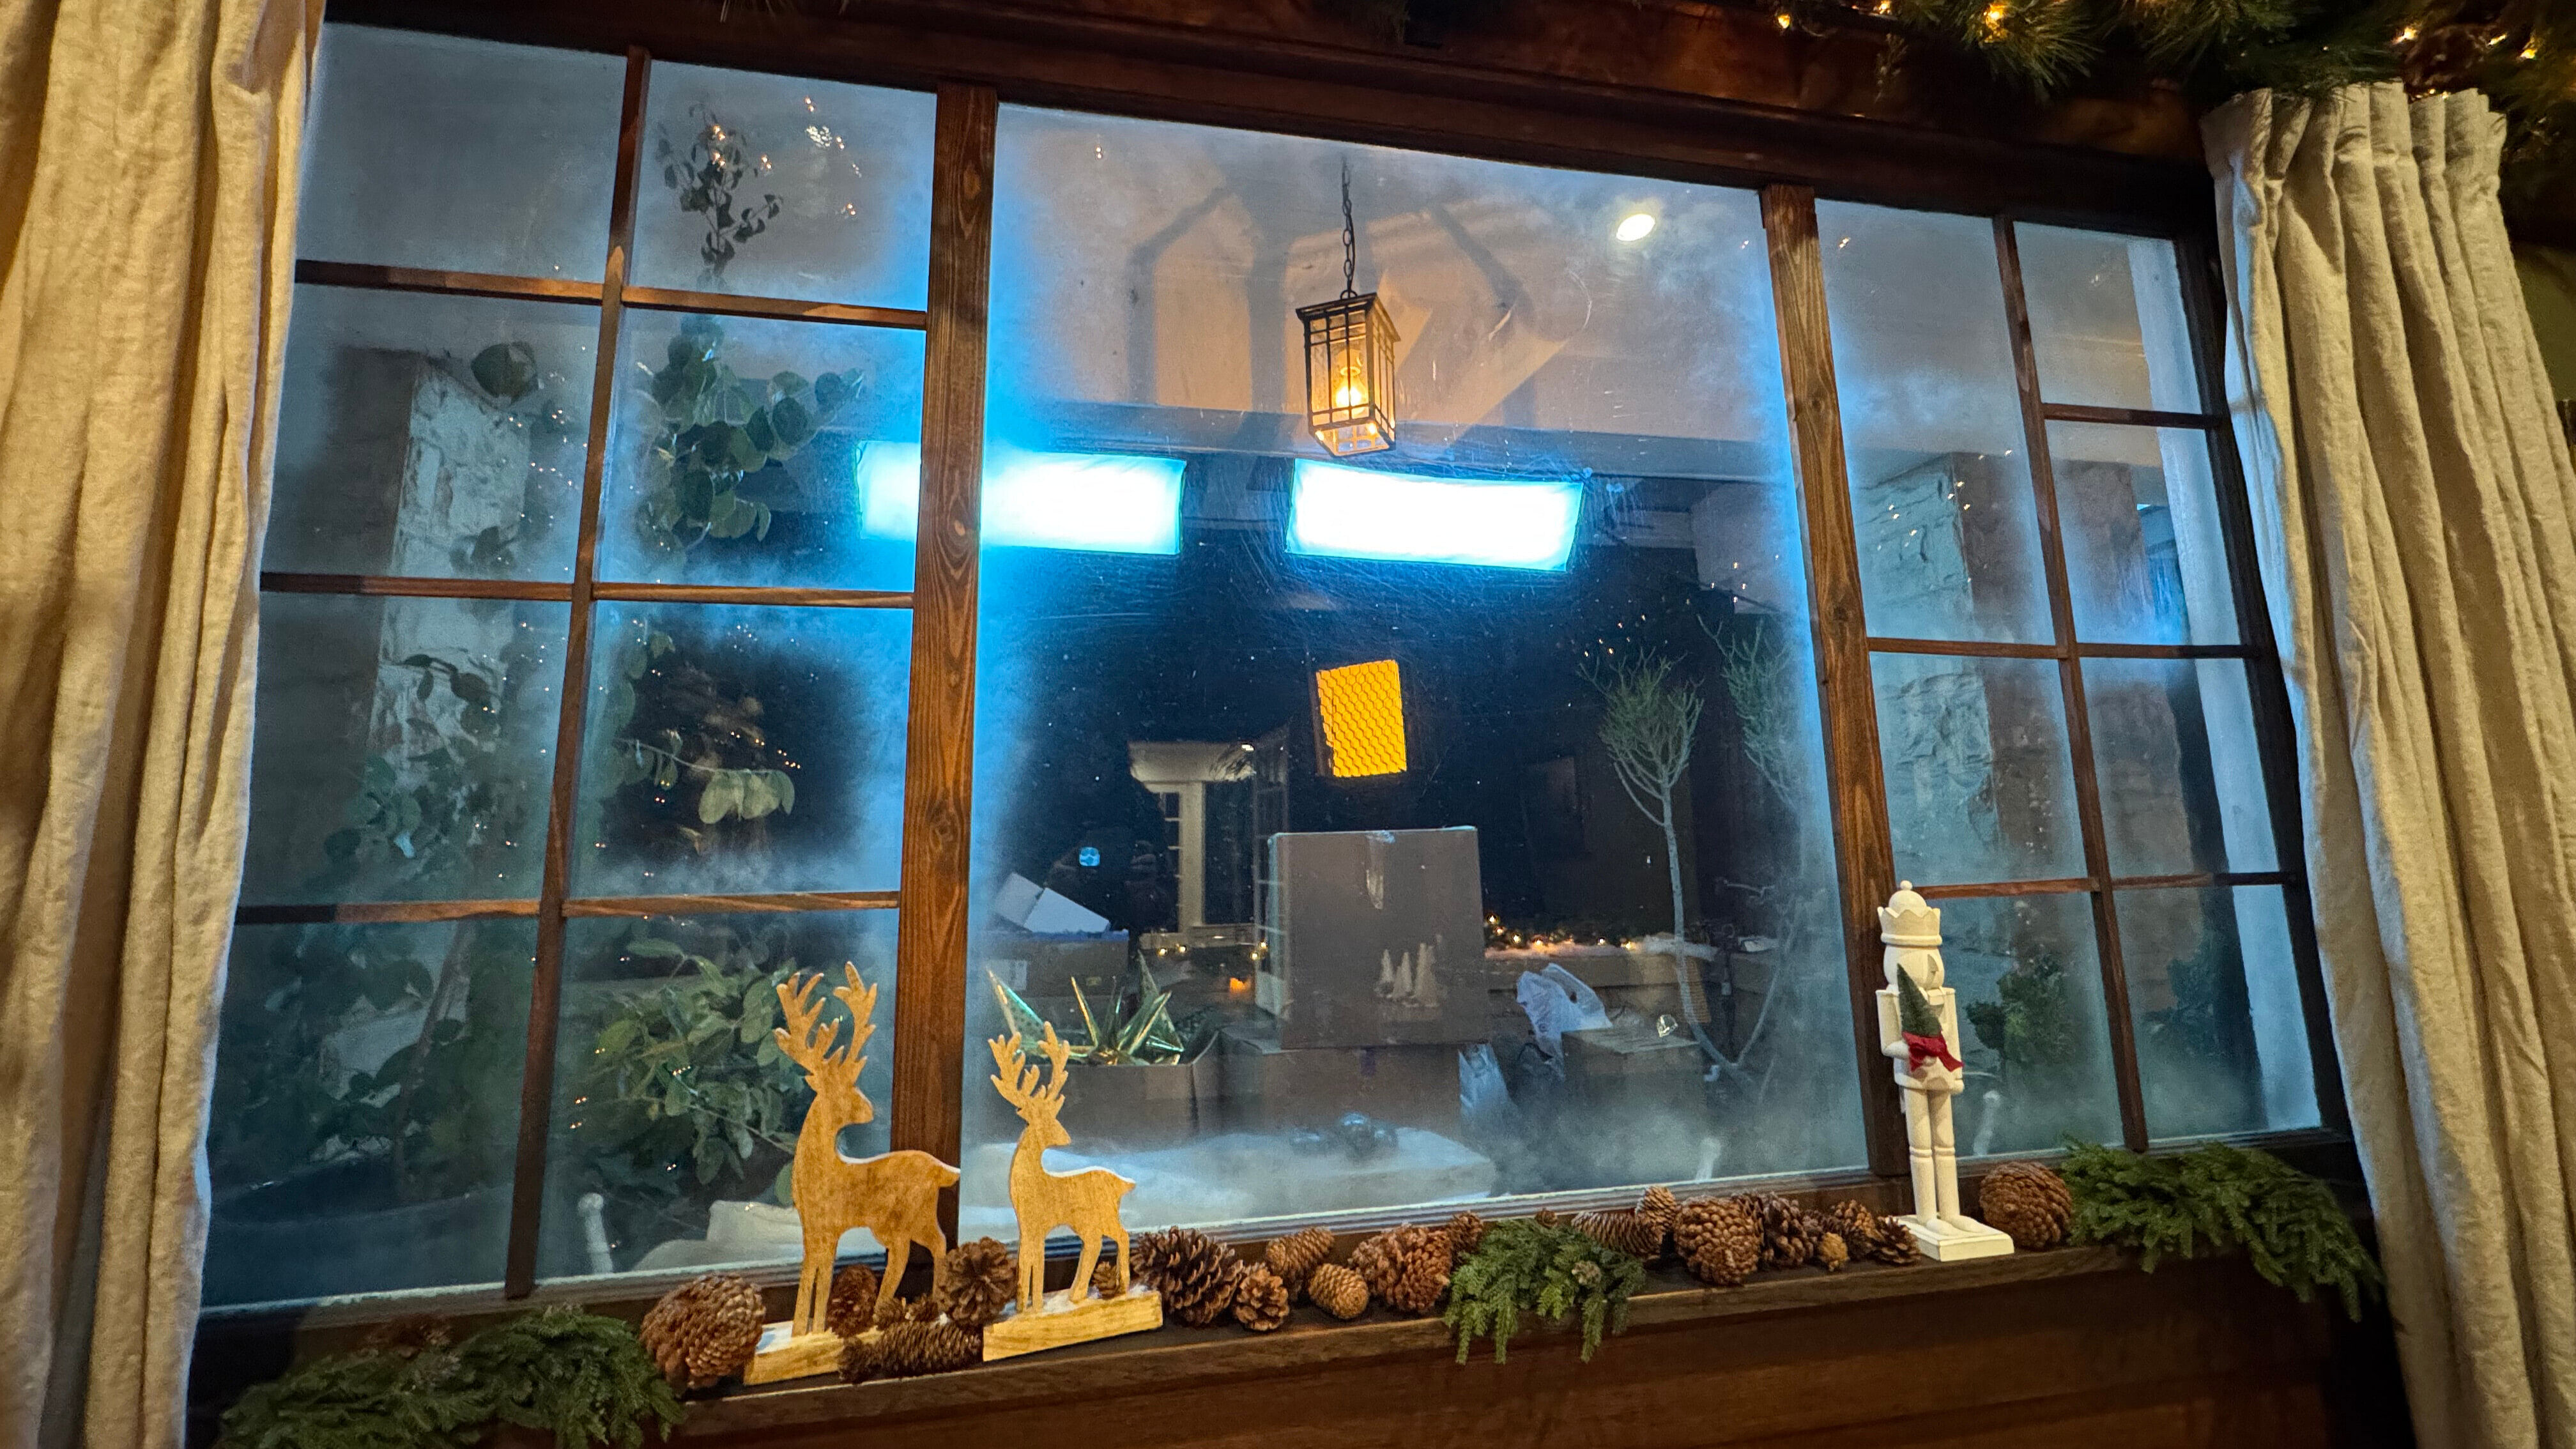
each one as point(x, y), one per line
point(1634, 226)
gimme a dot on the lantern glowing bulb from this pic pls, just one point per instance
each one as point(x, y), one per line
point(1634, 226)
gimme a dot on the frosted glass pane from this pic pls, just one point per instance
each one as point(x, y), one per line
point(1979, 787)
point(2146, 559)
point(366, 1108)
point(2036, 1038)
point(2181, 779)
point(404, 748)
point(2213, 994)
point(743, 750)
point(776, 186)
point(1942, 505)
point(700, 1182)
point(2106, 319)
point(1192, 760)
point(431, 436)
point(459, 155)
point(739, 455)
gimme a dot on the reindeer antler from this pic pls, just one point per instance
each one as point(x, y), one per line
point(812, 1049)
point(1023, 1091)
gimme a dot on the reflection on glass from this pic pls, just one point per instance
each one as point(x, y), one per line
point(459, 155)
point(676, 1114)
point(403, 749)
point(774, 186)
point(366, 1108)
point(426, 436)
point(2214, 1000)
point(2181, 781)
point(738, 454)
point(2038, 1040)
point(1932, 425)
point(2145, 560)
point(743, 750)
point(1979, 784)
point(2106, 319)
point(1325, 858)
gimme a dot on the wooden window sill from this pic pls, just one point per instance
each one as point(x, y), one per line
point(1175, 1356)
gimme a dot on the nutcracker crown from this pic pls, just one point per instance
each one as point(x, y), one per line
point(1906, 921)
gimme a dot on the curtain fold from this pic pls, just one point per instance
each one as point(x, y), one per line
point(2411, 497)
point(147, 192)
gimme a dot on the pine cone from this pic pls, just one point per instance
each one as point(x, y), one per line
point(1260, 1299)
point(1194, 1272)
point(1291, 1258)
point(705, 1329)
point(852, 1309)
point(924, 1309)
point(1546, 1217)
point(1338, 1291)
point(2029, 1202)
point(1830, 1252)
point(978, 1282)
point(861, 1360)
point(1104, 1279)
point(1719, 1239)
point(1853, 1222)
point(1896, 1246)
point(1789, 1232)
point(1406, 1268)
point(1632, 1233)
point(1466, 1234)
point(1659, 1206)
point(907, 1350)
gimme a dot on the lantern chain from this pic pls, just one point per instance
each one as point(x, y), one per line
point(1350, 237)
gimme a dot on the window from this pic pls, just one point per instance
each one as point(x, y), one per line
point(1452, 821)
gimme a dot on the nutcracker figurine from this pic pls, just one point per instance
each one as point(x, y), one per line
point(1918, 1026)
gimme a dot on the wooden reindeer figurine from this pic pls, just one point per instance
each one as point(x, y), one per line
point(1085, 1201)
point(895, 1195)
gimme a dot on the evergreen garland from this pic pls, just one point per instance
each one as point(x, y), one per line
point(584, 1378)
point(1551, 1270)
point(2214, 1200)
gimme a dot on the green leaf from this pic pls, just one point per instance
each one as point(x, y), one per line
point(788, 384)
point(721, 797)
point(757, 799)
point(732, 516)
point(783, 785)
point(830, 391)
point(736, 405)
point(696, 491)
point(791, 422)
point(757, 428)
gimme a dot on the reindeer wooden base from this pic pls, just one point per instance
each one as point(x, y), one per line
point(1085, 1201)
point(894, 1195)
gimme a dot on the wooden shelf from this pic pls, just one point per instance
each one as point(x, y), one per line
point(1174, 1356)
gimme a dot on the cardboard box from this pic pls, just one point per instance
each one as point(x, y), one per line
point(1376, 938)
point(1266, 1087)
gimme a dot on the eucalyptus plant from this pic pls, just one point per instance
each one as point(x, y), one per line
point(713, 428)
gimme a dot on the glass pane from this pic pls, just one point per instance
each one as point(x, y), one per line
point(1979, 787)
point(743, 750)
point(2106, 319)
point(366, 1108)
point(2181, 779)
point(428, 436)
point(2146, 562)
point(2038, 1039)
point(1941, 496)
point(459, 155)
point(1318, 749)
point(772, 186)
point(749, 452)
point(2214, 999)
point(676, 1115)
point(404, 748)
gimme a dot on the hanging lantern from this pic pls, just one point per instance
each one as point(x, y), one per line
point(1350, 360)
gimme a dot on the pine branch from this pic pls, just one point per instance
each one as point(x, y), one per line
point(1550, 1270)
point(2216, 1200)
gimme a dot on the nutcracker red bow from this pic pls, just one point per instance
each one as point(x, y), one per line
point(1920, 1048)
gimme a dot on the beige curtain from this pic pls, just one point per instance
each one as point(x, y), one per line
point(2412, 506)
point(147, 195)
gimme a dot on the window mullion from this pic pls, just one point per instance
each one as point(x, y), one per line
point(536, 1083)
point(2070, 673)
point(938, 794)
point(1863, 854)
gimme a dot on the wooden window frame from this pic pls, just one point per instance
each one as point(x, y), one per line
point(973, 64)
